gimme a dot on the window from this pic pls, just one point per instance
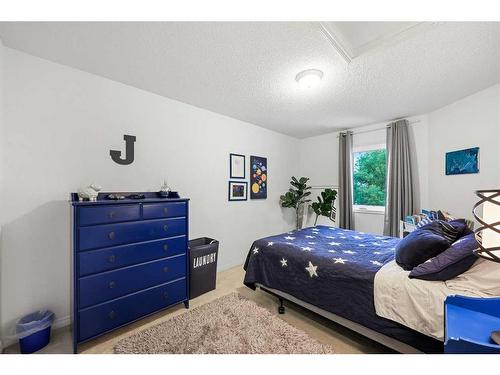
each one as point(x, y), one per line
point(369, 178)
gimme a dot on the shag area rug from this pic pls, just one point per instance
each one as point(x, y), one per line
point(231, 324)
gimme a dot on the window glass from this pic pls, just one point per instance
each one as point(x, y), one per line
point(369, 177)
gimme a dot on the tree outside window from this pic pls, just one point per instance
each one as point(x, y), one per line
point(369, 177)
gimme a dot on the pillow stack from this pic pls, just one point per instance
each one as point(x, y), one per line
point(439, 250)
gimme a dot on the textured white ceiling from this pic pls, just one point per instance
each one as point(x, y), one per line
point(247, 70)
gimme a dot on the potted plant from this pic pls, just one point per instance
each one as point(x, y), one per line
point(324, 205)
point(296, 196)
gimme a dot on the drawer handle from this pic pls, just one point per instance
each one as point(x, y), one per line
point(111, 259)
point(112, 315)
point(111, 235)
point(111, 214)
point(165, 210)
point(165, 247)
point(165, 295)
point(165, 227)
point(112, 284)
point(165, 269)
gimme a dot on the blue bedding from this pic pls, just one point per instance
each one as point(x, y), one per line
point(331, 268)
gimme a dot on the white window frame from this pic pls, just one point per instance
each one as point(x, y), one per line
point(361, 208)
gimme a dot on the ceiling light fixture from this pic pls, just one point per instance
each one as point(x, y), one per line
point(309, 78)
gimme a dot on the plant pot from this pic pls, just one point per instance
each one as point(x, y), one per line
point(300, 216)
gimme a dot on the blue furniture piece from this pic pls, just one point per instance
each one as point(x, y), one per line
point(468, 325)
point(129, 260)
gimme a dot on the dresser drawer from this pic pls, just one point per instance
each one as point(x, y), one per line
point(159, 210)
point(112, 284)
point(94, 237)
point(95, 261)
point(101, 318)
point(109, 214)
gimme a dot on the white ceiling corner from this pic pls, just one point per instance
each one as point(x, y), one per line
point(247, 70)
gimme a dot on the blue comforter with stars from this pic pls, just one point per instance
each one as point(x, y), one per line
point(328, 267)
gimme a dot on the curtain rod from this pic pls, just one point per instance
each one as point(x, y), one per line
point(377, 129)
point(324, 187)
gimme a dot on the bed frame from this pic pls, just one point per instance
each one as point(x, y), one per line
point(390, 342)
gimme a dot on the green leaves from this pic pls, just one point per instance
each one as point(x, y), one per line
point(324, 205)
point(289, 199)
point(297, 194)
point(369, 178)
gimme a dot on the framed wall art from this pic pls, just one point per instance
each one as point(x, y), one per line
point(237, 166)
point(237, 191)
point(462, 161)
point(258, 177)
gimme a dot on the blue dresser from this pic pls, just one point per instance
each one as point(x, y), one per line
point(129, 260)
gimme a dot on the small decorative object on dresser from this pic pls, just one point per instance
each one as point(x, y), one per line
point(236, 166)
point(89, 193)
point(129, 260)
point(115, 196)
point(164, 190)
point(237, 191)
point(258, 177)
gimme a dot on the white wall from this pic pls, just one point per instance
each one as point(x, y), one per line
point(319, 161)
point(61, 124)
point(470, 122)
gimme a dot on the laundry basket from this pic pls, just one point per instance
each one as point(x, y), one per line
point(203, 254)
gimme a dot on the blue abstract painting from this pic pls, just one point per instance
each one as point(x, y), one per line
point(462, 161)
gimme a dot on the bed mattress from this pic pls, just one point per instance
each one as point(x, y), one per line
point(417, 304)
point(330, 268)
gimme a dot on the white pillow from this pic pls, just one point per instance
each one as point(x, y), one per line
point(483, 276)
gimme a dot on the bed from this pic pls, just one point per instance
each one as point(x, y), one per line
point(417, 304)
point(332, 272)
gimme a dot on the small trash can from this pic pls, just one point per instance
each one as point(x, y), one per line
point(33, 331)
point(203, 254)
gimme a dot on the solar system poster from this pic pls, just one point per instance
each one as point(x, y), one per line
point(258, 177)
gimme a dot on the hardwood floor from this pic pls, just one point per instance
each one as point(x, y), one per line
point(343, 340)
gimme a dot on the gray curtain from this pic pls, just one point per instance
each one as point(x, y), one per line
point(345, 212)
point(400, 193)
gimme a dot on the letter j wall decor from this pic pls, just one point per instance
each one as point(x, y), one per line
point(258, 177)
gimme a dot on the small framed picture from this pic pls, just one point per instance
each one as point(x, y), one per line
point(237, 191)
point(236, 166)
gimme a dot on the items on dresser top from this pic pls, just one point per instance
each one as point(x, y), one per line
point(115, 197)
point(89, 193)
point(130, 259)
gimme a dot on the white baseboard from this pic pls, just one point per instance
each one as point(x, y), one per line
point(58, 323)
point(61, 322)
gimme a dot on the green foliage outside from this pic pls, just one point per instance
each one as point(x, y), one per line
point(369, 178)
